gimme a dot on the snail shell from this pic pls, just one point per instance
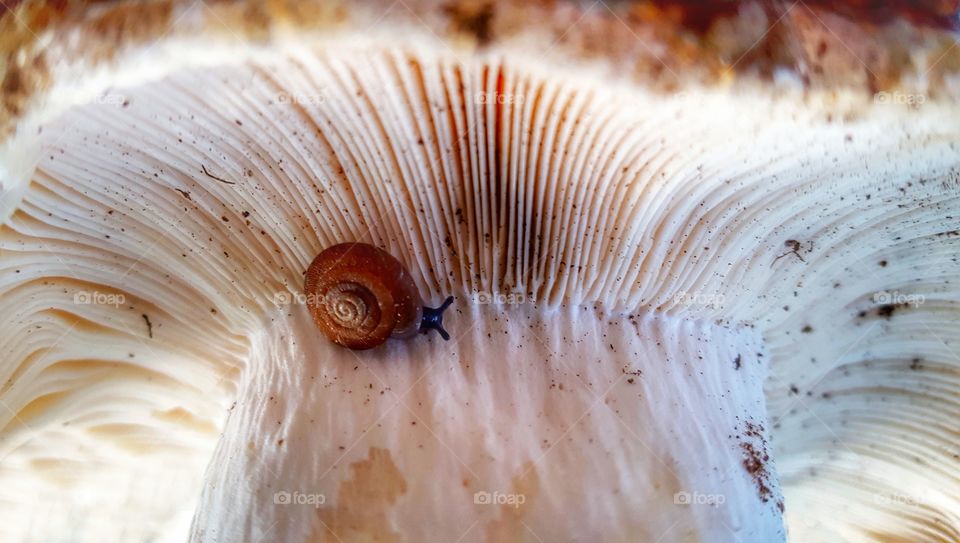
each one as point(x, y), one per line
point(360, 295)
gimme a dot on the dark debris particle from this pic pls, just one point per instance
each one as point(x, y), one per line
point(887, 310)
point(146, 319)
point(755, 459)
point(211, 176)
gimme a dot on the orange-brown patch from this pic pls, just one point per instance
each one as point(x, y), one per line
point(363, 502)
point(510, 525)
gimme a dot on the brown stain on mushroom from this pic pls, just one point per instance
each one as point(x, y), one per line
point(19, 81)
point(24, 72)
point(474, 17)
point(60, 471)
point(131, 437)
point(363, 503)
point(510, 525)
point(793, 40)
point(140, 22)
point(881, 537)
point(182, 417)
point(106, 27)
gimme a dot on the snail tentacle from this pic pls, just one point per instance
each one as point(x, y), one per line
point(433, 319)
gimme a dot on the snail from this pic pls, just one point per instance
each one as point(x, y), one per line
point(360, 295)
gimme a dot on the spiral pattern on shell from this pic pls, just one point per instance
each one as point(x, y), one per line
point(360, 295)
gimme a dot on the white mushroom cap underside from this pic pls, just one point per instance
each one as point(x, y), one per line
point(487, 175)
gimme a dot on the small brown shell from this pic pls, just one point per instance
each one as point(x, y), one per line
point(360, 295)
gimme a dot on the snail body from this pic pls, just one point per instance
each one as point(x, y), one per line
point(360, 296)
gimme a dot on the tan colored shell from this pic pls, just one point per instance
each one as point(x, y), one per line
point(360, 295)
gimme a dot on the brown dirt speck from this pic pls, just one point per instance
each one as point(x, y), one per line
point(756, 457)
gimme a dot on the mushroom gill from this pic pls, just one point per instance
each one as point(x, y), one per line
point(710, 314)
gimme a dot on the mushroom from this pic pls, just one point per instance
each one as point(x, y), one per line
point(705, 263)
